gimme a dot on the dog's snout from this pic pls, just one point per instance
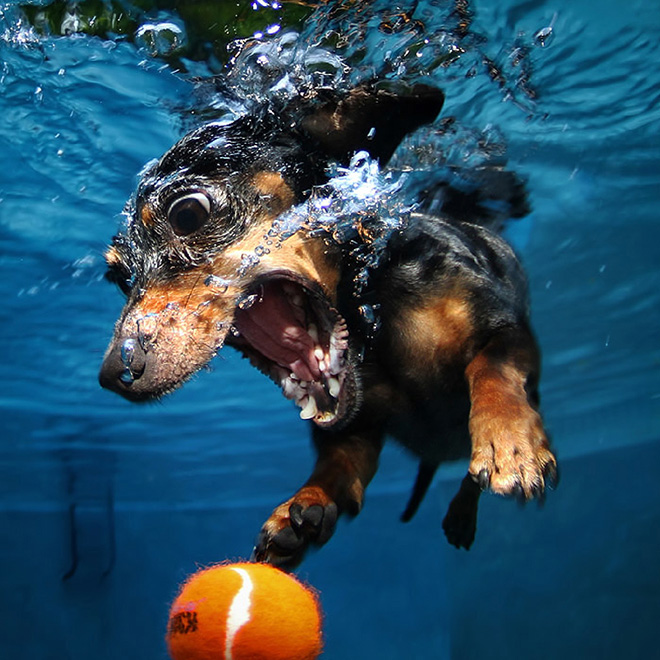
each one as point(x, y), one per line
point(123, 367)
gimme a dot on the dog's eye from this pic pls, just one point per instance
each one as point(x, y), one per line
point(189, 213)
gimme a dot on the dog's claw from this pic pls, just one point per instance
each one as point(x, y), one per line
point(518, 493)
point(538, 491)
point(551, 475)
point(483, 479)
point(296, 515)
point(293, 527)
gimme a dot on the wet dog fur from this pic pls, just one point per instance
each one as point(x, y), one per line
point(452, 371)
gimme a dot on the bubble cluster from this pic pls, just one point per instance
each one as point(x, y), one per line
point(15, 29)
point(160, 39)
point(360, 208)
point(248, 261)
point(283, 67)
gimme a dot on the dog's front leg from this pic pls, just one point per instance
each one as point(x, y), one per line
point(346, 463)
point(510, 450)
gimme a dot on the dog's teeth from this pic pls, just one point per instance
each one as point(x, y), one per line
point(318, 353)
point(334, 387)
point(297, 300)
point(322, 365)
point(310, 409)
point(289, 388)
point(313, 332)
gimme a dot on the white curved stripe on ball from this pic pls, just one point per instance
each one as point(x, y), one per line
point(239, 611)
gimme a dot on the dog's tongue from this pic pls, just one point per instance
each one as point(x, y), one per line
point(271, 327)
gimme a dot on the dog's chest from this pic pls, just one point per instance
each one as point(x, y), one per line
point(434, 428)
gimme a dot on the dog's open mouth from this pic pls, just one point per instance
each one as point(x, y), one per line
point(295, 337)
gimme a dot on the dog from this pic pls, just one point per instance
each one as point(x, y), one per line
point(452, 369)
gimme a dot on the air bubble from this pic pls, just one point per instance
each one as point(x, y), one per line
point(367, 313)
point(160, 39)
point(128, 352)
point(248, 301)
point(323, 68)
point(544, 36)
point(147, 326)
point(203, 306)
point(361, 280)
point(370, 317)
point(127, 356)
point(71, 22)
point(220, 284)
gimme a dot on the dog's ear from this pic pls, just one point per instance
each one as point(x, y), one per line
point(372, 119)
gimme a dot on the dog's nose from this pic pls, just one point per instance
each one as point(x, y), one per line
point(122, 368)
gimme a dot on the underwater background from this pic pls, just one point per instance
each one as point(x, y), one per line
point(105, 507)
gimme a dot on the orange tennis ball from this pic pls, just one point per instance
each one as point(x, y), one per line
point(244, 612)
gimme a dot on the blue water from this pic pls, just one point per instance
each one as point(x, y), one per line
point(162, 489)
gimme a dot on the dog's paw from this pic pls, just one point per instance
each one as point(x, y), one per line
point(511, 454)
point(460, 527)
point(460, 523)
point(308, 518)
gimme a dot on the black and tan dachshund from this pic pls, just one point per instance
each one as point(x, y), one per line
point(452, 366)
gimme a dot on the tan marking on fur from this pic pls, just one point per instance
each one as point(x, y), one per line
point(300, 254)
point(112, 257)
point(147, 216)
point(187, 309)
point(188, 293)
point(437, 334)
point(275, 189)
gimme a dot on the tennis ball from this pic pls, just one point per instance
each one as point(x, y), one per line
point(244, 612)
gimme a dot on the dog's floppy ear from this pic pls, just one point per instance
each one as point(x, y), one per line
point(372, 119)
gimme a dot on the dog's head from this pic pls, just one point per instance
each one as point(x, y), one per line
point(205, 262)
